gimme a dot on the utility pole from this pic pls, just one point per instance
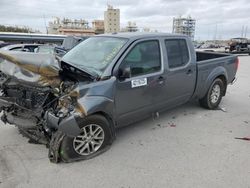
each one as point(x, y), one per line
point(215, 33)
point(45, 24)
point(246, 31)
point(242, 31)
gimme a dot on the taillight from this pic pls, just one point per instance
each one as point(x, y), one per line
point(237, 62)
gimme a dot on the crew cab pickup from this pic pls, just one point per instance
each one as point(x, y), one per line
point(74, 104)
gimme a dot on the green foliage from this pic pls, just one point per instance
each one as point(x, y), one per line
point(15, 29)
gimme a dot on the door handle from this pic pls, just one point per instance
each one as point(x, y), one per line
point(189, 71)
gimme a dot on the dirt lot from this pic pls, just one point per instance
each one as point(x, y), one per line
point(186, 147)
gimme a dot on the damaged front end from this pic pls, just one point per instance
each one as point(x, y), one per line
point(40, 98)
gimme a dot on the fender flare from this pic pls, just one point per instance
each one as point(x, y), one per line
point(90, 105)
point(217, 72)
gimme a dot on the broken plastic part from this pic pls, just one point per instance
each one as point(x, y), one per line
point(54, 146)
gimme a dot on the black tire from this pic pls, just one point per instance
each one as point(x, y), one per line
point(67, 151)
point(206, 101)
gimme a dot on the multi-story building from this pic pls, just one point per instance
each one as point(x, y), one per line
point(98, 26)
point(112, 20)
point(70, 27)
point(184, 26)
point(131, 27)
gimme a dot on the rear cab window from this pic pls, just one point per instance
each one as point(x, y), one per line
point(177, 53)
point(144, 58)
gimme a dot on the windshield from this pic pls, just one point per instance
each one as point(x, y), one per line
point(95, 53)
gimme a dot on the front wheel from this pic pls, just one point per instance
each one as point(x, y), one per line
point(214, 95)
point(94, 139)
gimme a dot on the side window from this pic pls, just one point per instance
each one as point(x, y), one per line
point(17, 49)
point(177, 52)
point(144, 58)
point(31, 48)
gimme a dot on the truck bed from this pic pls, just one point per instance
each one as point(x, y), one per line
point(202, 56)
point(208, 64)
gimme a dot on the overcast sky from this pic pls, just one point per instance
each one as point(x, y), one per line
point(219, 19)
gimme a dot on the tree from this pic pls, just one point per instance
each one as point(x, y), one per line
point(4, 28)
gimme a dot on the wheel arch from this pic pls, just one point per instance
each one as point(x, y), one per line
point(98, 105)
point(219, 72)
point(224, 80)
point(109, 119)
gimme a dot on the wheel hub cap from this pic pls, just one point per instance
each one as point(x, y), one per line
point(90, 140)
point(215, 94)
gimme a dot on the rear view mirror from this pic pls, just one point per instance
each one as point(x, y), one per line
point(125, 73)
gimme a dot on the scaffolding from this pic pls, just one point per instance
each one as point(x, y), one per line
point(185, 26)
point(66, 23)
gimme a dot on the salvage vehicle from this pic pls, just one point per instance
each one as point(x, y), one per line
point(68, 43)
point(238, 46)
point(74, 104)
point(21, 47)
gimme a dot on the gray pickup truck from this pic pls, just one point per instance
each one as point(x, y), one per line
point(74, 104)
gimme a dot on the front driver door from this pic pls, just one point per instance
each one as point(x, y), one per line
point(133, 97)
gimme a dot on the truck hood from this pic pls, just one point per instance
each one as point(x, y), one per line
point(31, 68)
point(34, 69)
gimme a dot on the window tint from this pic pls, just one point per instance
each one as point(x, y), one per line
point(31, 48)
point(144, 58)
point(177, 52)
point(17, 49)
point(95, 53)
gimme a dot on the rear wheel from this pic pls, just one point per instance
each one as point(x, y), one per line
point(214, 95)
point(94, 139)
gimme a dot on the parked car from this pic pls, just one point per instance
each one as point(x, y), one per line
point(68, 43)
point(106, 82)
point(2, 44)
point(21, 47)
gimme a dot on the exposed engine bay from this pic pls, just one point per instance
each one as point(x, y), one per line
point(35, 88)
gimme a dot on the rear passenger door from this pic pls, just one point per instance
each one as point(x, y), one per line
point(180, 70)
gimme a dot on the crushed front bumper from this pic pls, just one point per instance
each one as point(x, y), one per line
point(68, 125)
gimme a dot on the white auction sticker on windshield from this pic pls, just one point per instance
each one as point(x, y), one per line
point(139, 82)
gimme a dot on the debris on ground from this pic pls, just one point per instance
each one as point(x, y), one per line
point(223, 109)
point(140, 142)
point(246, 122)
point(155, 115)
point(244, 138)
point(172, 125)
point(164, 126)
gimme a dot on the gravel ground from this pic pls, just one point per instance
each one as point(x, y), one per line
point(186, 147)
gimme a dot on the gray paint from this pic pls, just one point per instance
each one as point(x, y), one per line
point(165, 89)
point(125, 105)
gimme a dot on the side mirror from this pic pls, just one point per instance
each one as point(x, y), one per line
point(125, 73)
